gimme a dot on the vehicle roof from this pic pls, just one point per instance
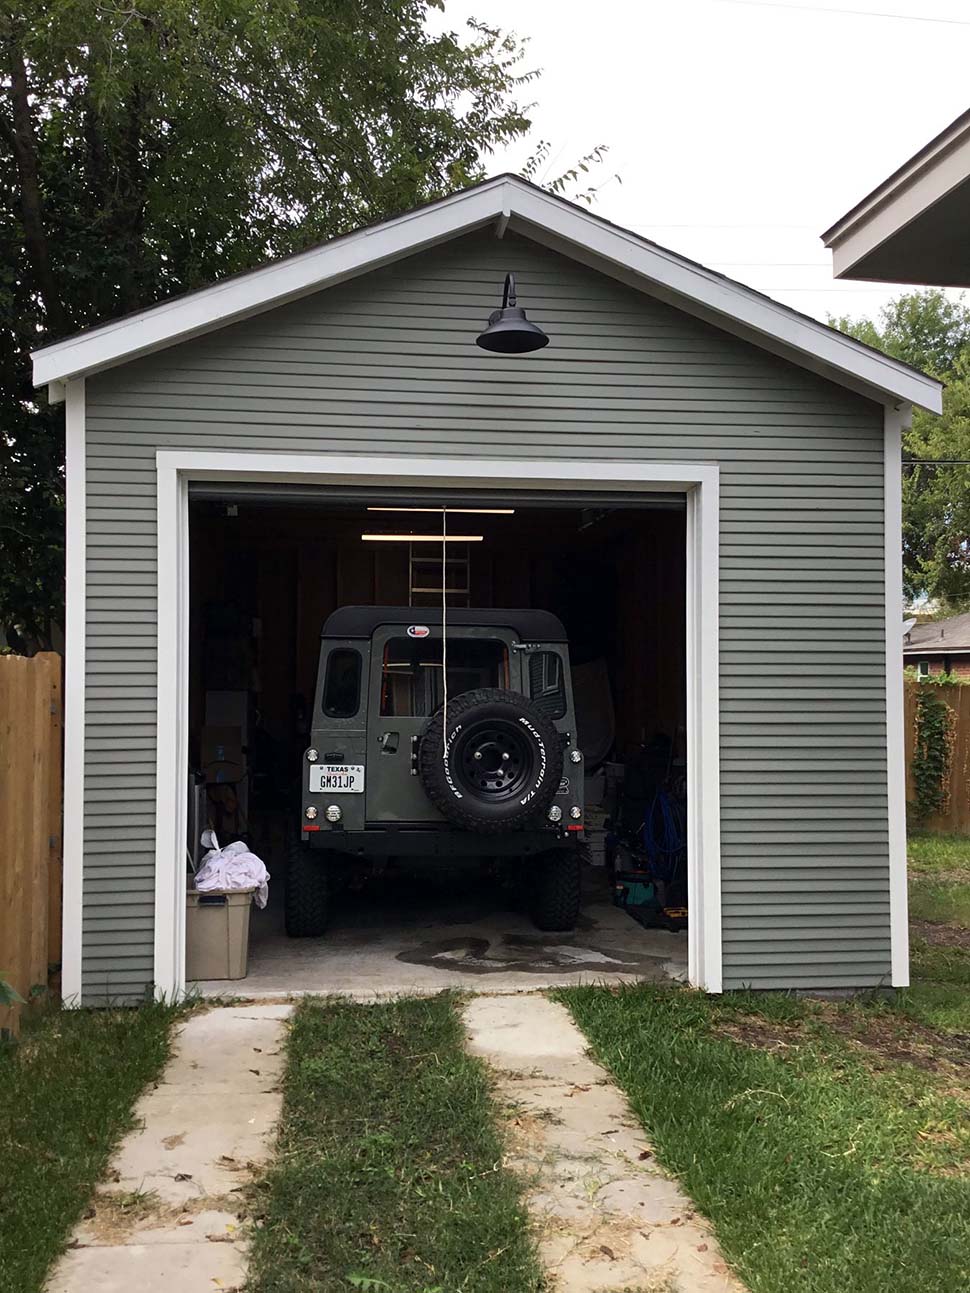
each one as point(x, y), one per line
point(361, 621)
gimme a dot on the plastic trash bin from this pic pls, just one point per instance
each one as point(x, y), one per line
point(217, 933)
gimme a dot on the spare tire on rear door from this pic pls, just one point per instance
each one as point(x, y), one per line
point(499, 765)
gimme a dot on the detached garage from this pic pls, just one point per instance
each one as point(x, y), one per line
point(701, 484)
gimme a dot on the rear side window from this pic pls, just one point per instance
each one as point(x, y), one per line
point(547, 683)
point(341, 691)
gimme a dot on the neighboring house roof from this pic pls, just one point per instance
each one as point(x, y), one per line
point(950, 637)
point(913, 227)
point(505, 202)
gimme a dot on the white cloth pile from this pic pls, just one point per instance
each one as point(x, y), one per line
point(233, 867)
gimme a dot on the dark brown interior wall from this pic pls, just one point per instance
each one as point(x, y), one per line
point(617, 580)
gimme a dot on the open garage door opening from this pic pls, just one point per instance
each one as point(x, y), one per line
point(300, 708)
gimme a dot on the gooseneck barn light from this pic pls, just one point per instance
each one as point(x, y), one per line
point(509, 332)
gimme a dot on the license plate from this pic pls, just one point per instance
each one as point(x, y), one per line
point(348, 778)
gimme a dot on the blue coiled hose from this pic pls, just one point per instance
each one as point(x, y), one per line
point(663, 835)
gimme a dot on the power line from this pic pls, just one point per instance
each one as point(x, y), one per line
point(837, 291)
point(775, 264)
point(660, 225)
point(856, 13)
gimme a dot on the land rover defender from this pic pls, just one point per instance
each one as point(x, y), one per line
point(401, 768)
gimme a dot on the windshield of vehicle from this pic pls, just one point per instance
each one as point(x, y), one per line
point(411, 681)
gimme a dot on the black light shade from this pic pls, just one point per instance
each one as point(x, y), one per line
point(509, 332)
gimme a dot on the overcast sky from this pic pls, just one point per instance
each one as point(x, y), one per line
point(740, 130)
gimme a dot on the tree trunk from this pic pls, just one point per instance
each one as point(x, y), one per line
point(131, 203)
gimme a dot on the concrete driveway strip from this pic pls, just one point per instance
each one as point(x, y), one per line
point(605, 1215)
point(168, 1216)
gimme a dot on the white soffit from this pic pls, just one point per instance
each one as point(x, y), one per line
point(540, 215)
point(919, 184)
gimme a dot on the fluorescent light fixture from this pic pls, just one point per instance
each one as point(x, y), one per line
point(422, 538)
point(452, 511)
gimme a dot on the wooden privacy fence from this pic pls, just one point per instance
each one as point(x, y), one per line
point(956, 819)
point(31, 720)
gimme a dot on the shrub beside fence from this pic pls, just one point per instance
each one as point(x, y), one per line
point(954, 817)
point(31, 725)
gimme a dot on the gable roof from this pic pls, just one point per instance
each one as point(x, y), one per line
point(505, 202)
point(951, 636)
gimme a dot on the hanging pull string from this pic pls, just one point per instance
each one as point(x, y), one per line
point(444, 632)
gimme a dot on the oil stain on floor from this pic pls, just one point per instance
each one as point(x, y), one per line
point(530, 956)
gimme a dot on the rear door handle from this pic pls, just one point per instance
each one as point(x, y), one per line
point(389, 742)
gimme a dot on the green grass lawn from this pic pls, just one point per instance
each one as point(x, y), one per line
point(929, 853)
point(66, 1095)
point(940, 991)
point(946, 902)
point(939, 879)
point(389, 1171)
point(828, 1144)
point(939, 908)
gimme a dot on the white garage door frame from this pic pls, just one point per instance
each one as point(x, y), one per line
point(175, 469)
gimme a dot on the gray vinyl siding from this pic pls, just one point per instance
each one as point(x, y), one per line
point(387, 364)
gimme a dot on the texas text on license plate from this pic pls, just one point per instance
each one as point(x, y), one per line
point(348, 778)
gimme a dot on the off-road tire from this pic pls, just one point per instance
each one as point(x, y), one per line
point(452, 789)
point(307, 892)
point(557, 890)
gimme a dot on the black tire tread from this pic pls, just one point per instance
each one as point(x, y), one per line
point(307, 907)
point(558, 890)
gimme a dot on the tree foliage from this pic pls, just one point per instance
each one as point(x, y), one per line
point(932, 332)
point(932, 761)
point(147, 148)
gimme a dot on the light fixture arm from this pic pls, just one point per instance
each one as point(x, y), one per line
point(508, 295)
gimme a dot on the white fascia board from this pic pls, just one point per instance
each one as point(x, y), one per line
point(546, 219)
point(244, 295)
point(727, 304)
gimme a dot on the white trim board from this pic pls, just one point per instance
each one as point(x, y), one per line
point(896, 421)
point(505, 201)
point(699, 482)
point(74, 656)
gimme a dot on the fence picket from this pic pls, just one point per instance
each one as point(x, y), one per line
point(30, 823)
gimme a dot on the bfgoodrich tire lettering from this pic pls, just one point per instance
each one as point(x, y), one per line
point(499, 764)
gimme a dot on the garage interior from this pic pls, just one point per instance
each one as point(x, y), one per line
point(268, 564)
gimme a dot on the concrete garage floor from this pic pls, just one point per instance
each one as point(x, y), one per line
point(414, 935)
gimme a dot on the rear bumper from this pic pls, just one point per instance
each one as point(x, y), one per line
point(398, 842)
